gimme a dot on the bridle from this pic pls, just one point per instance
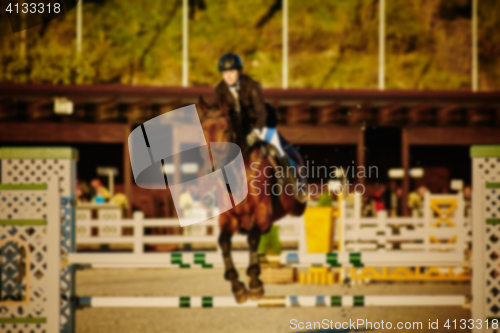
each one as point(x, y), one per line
point(229, 130)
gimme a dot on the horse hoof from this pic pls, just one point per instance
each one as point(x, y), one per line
point(241, 295)
point(256, 293)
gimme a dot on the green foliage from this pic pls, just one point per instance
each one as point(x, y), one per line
point(332, 43)
point(426, 51)
point(127, 43)
point(489, 44)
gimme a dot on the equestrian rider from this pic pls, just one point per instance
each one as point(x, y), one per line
point(256, 119)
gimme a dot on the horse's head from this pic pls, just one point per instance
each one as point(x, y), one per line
point(216, 123)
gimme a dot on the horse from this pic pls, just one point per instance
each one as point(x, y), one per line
point(259, 210)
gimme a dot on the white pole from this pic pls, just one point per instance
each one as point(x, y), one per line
point(285, 45)
point(475, 77)
point(381, 46)
point(111, 183)
point(184, 43)
point(79, 27)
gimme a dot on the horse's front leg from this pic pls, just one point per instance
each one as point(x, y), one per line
point(256, 287)
point(231, 274)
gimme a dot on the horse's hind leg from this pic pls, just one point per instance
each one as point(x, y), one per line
point(256, 287)
point(231, 274)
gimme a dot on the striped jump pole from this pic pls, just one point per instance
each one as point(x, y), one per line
point(241, 259)
point(284, 301)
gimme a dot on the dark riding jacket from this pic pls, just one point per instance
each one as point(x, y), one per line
point(253, 110)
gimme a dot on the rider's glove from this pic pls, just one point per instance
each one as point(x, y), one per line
point(252, 138)
point(268, 135)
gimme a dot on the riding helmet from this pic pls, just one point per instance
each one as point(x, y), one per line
point(230, 61)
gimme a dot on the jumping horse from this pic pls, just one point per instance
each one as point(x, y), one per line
point(255, 215)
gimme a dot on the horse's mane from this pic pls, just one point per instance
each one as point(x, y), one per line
point(234, 127)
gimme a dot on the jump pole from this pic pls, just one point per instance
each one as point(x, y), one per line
point(283, 301)
point(295, 259)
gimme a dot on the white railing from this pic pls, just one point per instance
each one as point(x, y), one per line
point(380, 234)
point(384, 233)
point(370, 234)
point(111, 231)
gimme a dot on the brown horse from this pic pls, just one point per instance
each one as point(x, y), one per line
point(258, 211)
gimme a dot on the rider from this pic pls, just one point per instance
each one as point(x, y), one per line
point(255, 118)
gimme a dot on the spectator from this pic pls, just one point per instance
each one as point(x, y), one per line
point(82, 191)
point(378, 200)
point(391, 200)
point(467, 200)
point(121, 200)
point(416, 201)
point(186, 200)
point(100, 193)
point(368, 207)
point(399, 193)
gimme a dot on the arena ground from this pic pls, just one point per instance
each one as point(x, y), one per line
point(198, 282)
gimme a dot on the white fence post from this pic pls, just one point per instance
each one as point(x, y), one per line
point(79, 24)
point(284, 83)
point(185, 41)
point(475, 62)
point(138, 232)
point(381, 46)
point(427, 221)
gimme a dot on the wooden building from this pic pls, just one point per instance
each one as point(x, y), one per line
point(105, 114)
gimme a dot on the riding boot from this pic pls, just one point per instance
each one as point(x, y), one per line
point(289, 178)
